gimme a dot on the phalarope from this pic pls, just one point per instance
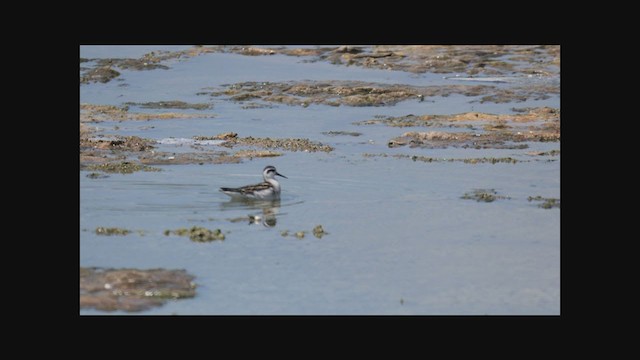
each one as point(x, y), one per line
point(267, 190)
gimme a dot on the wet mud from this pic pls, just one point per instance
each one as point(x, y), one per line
point(473, 60)
point(173, 104)
point(123, 167)
point(341, 133)
point(108, 231)
point(102, 71)
point(490, 131)
point(524, 116)
point(428, 159)
point(132, 289)
point(90, 113)
point(358, 93)
point(477, 60)
point(290, 144)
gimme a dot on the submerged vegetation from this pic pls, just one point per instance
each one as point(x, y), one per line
point(198, 234)
point(545, 203)
point(483, 195)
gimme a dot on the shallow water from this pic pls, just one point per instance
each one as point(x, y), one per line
point(400, 239)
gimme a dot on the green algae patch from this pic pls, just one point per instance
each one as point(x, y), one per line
point(319, 232)
point(133, 290)
point(198, 234)
point(545, 203)
point(108, 231)
point(483, 195)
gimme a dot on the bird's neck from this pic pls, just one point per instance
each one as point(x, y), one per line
point(274, 183)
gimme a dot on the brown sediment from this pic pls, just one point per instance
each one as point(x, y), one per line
point(223, 136)
point(284, 144)
point(98, 113)
point(115, 154)
point(336, 93)
point(111, 156)
point(172, 104)
point(123, 167)
point(486, 60)
point(201, 158)
point(346, 133)
point(102, 71)
point(108, 231)
point(256, 153)
point(132, 289)
point(500, 130)
point(469, 59)
point(532, 114)
point(357, 93)
point(491, 140)
point(428, 159)
point(102, 74)
point(126, 143)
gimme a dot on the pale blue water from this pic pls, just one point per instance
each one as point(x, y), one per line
point(398, 229)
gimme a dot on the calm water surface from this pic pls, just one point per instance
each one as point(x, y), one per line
point(400, 239)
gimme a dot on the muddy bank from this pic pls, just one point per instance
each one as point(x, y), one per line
point(358, 93)
point(341, 133)
point(467, 140)
point(289, 144)
point(497, 131)
point(485, 60)
point(524, 116)
point(476, 60)
point(124, 167)
point(173, 104)
point(98, 113)
point(428, 159)
point(128, 154)
point(469, 59)
point(132, 289)
point(102, 70)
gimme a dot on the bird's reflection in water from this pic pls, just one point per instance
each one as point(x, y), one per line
point(263, 211)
